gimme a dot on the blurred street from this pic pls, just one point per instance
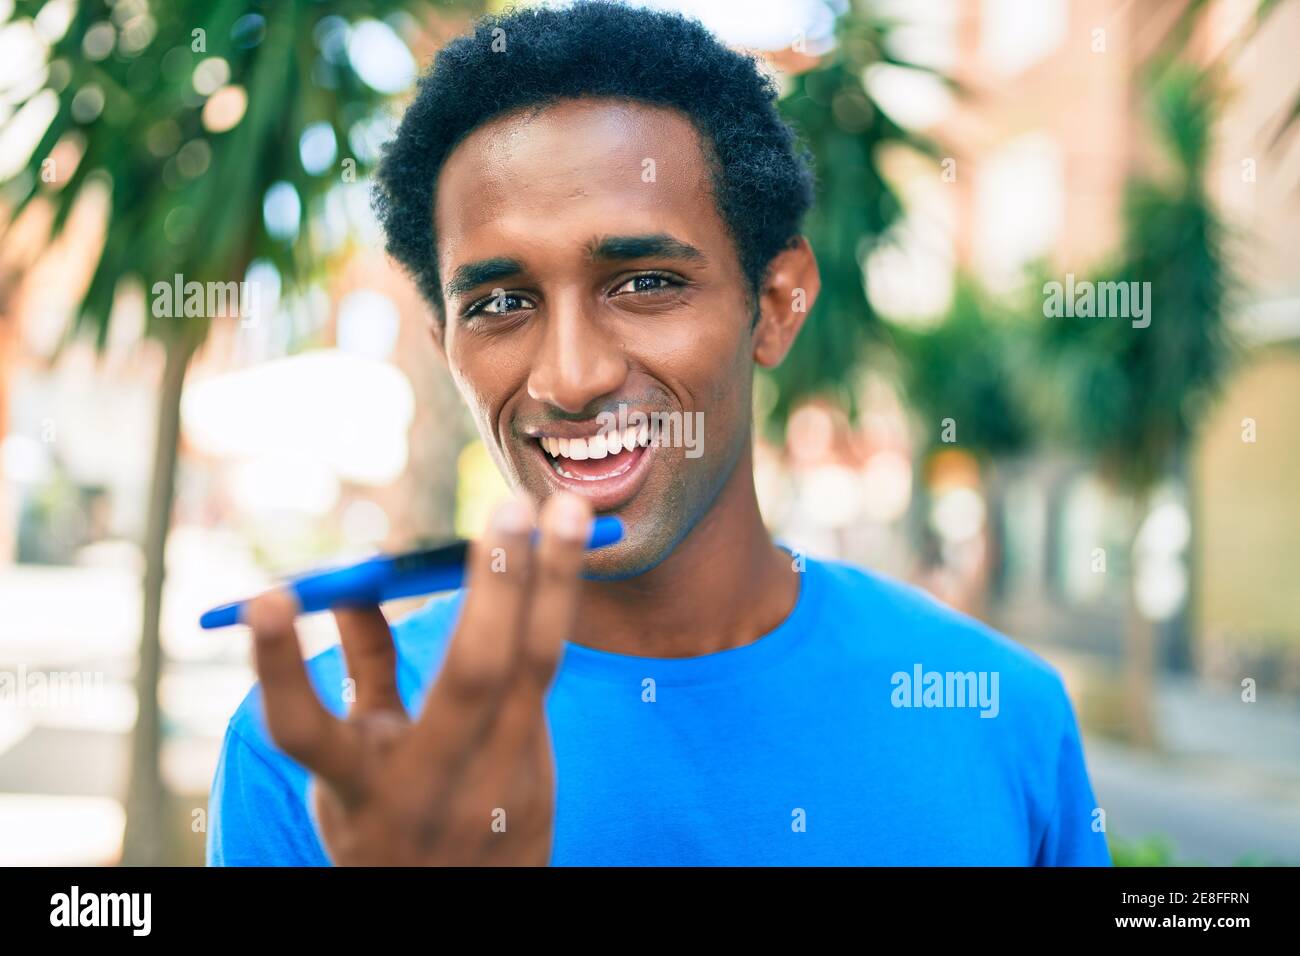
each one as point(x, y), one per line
point(1227, 780)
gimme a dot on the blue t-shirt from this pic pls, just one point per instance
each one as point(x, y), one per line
point(873, 726)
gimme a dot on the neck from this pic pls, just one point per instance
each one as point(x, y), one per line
point(724, 585)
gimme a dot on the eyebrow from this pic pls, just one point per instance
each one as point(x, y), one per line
point(658, 245)
point(606, 249)
point(474, 274)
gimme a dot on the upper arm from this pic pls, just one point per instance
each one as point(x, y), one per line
point(1074, 834)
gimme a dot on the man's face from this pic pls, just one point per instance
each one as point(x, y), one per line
point(585, 267)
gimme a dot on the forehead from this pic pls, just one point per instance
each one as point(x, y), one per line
point(571, 170)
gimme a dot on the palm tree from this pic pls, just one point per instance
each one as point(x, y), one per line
point(845, 131)
point(1132, 398)
point(195, 115)
point(973, 367)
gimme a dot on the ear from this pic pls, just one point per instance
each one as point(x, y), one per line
point(789, 290)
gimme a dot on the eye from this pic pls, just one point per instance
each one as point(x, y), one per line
point(646, 282)
point(499, 302)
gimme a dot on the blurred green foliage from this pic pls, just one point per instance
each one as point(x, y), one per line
point(1158, 850)
point(846, 133)
point(1151, 851)
point(973, 368)
point(1131, 398)
point(1128, 398)
point(185, 199)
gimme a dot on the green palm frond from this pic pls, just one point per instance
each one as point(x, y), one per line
point(845, 131)
point(1133, 397)
point(185, 199)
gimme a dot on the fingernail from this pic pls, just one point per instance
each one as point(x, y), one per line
point(271, 612)
point(513, 517)
point(569, 517)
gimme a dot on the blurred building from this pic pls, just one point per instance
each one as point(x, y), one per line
point(1039, 139)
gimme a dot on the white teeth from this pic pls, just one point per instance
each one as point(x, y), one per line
point(598, 446)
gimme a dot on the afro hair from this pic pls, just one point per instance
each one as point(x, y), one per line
point(762, 177)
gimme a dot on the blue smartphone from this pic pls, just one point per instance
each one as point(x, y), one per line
point(388, 577)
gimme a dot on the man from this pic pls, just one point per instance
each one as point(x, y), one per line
point(602, 207)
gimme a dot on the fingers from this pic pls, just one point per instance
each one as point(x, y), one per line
point(299, 723)
point(371, 659)
point(566, 527)
point(519, 610)
point(480, 658)
point(550, 614)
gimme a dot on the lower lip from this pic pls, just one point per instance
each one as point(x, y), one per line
point(604, 494)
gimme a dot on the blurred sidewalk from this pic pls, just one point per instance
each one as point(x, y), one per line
point(1226, 786)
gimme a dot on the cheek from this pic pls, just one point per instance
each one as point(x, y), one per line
point(724, 393)
point(483, 379)
point(484, 408)
point(701, 359)
point(467, 384)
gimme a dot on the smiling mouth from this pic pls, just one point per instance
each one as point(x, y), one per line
point(600, 457)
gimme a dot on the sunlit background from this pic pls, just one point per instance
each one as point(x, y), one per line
point(1123, 500)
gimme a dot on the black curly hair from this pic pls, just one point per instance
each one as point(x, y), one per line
point(762, 177)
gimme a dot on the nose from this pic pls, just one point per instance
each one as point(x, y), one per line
point(577, 363)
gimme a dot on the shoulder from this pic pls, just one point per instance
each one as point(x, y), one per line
point(885, 618)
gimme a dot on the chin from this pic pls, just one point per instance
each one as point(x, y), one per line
point(627, 558)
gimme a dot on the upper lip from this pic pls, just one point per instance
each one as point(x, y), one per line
point(588, 429)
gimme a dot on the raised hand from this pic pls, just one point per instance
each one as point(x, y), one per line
point(472, 779)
